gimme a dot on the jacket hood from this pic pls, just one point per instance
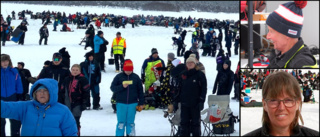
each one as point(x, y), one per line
point(228, 62)
point(51, 85)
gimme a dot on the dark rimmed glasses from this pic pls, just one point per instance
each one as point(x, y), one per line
point(274, 103)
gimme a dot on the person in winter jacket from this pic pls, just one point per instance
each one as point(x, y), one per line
point(228, 39)
point(237, 83)
point(44, 34)
point(165, 88)
point(89, 37)
point(118, 49)
point(224, 80)
point(282, 103)
point(289, 49)
point(195, 36)
point(24, 29)
point(56, 71)
point(152, 69)
point(76, 88)
point(132, 22)
point(99, 50)
point(43, 115)
point(91, 70)
point(307, 92)
point(65, 27)
point(11, 90)
point(192, 96)
point(220, 59)
point(236, 45)
point(129, 98)
point(98, 24)
point(55, 23)
point(65, 58)
point(106, 22)
point(4, 34)
point(198, 63)
point(9, 20)
point(25, 75)
point(214, 44)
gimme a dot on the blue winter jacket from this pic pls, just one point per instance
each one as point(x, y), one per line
point(97, 42)
point(11, 84)
point(132, 94)
point(208, 37)
point(51, 119)
point(106, 20)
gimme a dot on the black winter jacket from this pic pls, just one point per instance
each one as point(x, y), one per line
point(24, 74)
point(297, 131)
point(302, 57)
point(224, 81)
point(193, 88)
point(132, 94)
point(23, 28)
point(77, 88)
point(44, 32)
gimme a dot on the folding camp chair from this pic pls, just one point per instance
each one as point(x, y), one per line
point(223, 102)
point(174, 119)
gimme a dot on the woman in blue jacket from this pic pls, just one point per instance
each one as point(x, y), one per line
point(43, 115)
point(127, 98)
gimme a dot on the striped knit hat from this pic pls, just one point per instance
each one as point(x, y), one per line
point(288, 18)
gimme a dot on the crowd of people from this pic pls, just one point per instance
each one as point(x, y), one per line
point(165, 84)
point(254, 79)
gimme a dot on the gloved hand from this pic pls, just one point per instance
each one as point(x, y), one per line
point(111, 55)
point(201, 105)
point(28, 97)
point(20, 97)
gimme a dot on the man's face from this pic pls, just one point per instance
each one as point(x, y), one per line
point(57, 61)
point(20, 66)
point(128, 72)
point(225, 66)
point(279, 40)
point(155, 55)
point(118, 36)
point(5, 64)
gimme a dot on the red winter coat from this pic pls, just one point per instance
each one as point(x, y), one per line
point(98, 23)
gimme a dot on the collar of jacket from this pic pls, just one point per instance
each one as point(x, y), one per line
point(191, 72)
point(281, 60)
point(296, 131)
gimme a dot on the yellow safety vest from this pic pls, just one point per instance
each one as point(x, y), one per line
point(118, 47)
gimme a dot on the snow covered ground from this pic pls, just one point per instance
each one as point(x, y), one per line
point(140, 41)
point(251, 116)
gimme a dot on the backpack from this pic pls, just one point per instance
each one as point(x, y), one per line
point(223, 120)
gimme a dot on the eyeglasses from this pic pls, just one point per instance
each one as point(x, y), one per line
point(273, 103)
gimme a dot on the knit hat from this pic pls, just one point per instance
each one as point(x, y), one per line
point(288, 19)
point(194, 55)
point(57, 55)
point(41, 87)
point(21, 63)
point(191, 59)
point(170, 55)
point(154, 51)
point(118, 33)
point(100, 32)
point(176, 62)
point(210, 29)
point(128, 65)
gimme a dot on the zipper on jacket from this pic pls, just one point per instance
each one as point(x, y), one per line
point(128, 93)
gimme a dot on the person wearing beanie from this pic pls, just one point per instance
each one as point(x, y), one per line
point(127, 104)
point(118, 49)
point(91, 70)
point(198, 63)
point(99, 49)
point(191, 96)
point(89, 37)
point(195, 36)
point(11, 90)
point(148, 74)
point(77, 92)
point(25, 75)
point(44, 34)
point(56, 70)
point(165, 88)
point(42, 115)
point(207, 46)
point(285, 26)
point(224, 80)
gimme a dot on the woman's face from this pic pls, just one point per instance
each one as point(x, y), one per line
point(281, 116)
point(75, 71)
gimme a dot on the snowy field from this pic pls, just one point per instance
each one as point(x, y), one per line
point(140, 41)
point(251, 116)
